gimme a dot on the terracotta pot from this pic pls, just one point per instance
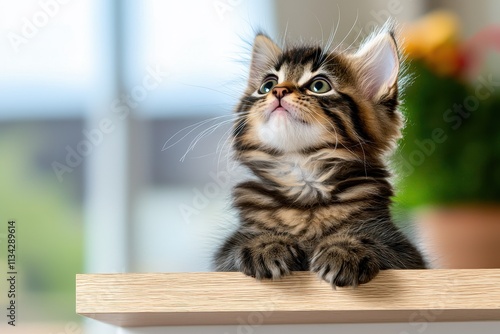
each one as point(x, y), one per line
point(460, 237)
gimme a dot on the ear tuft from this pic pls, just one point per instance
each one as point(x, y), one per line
point(264, 53)
point(377, 64)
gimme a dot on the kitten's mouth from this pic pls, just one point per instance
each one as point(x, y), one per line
point(277, 107)
point(280, 109)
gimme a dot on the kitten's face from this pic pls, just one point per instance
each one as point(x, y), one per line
point(287, 113)
point(305, 98)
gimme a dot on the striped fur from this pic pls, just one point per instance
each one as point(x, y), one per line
point(321, 194)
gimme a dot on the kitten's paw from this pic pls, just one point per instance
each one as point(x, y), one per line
point(271, 256)
point(344, 263)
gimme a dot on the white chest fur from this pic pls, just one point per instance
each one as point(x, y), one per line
point(303, 177)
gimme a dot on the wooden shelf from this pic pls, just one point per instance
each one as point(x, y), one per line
point(170, 299)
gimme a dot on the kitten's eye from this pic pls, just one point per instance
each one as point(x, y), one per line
point(267, 86)
point(320, 86)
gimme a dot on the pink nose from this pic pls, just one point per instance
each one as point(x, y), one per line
point(280, 92)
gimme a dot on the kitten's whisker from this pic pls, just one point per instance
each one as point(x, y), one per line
point(227, 135)
point(208, 131)
point(196, 125)
point(240, 116)
point(350, 30)
point(284, 36)
point(354, 41)
point(219, 149)
point(227, 155)
point(238, 130)
point(333, 32)
point(209, 88)
point(203, 156)
point(321, 27)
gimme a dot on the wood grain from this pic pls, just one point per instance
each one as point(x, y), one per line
point(232, 298)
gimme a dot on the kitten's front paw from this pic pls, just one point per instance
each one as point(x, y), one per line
point(344, 263)
point(270, 256)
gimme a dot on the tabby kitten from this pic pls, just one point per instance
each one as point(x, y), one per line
point(315, 128)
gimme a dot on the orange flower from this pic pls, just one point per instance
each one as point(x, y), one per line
point(435, 39)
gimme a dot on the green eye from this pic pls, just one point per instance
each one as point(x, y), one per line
point(320, 86)
point(267, 86)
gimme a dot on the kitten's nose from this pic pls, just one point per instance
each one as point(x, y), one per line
point(280, 92)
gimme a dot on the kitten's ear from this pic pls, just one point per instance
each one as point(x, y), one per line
point(264, 53)
point(377, 64)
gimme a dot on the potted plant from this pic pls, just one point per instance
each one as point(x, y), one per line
point(449, 159)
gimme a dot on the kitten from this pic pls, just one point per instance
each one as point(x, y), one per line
point(315, 128)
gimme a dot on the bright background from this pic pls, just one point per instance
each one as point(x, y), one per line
point(128, 205)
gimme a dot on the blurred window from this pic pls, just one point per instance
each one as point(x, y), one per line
point(201, 48)
point(54, 56)
point(54, 63)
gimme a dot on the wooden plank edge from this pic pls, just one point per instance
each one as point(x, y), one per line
point(484, 298)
